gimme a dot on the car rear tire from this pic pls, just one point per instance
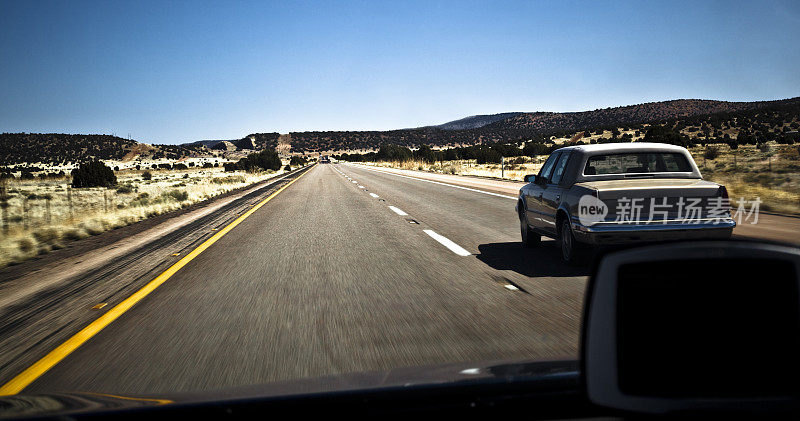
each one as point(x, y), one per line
point(571, 250)
point(530, 239)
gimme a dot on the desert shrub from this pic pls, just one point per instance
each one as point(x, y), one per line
point(790, 153)
point(93, 174)
point(486, 156)
point(711, 153)
point(180, 167)
point(125, 189)
point(208, 165)
point(176, 195)
point(287, 167)
point(535, 148)
point(664, 134)
point(297, 161)
point(75, 234)
point(147, 175)
point(228, 179)
point(390, 152)
point(267, 159)
point(26, 175)
point(26, 245)
point(424, 154)
point(143, 199)
point(46, 235)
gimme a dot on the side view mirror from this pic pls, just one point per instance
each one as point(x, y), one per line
point(532, 178)
point(696, 327)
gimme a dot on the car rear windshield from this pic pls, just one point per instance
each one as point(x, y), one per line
point(636, 162)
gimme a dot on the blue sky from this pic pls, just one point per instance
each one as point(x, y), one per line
point(173, 72)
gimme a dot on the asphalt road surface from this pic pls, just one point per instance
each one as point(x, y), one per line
point(346, 270)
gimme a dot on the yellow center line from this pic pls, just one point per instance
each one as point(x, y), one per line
point(22, 380)
point(157, 401)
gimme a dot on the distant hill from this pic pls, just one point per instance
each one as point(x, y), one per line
point(59, 148)
point(255, 141)
point(475, 121)
point(208, 143)
point(763, 120)
point(538, 125)
point(548, 122)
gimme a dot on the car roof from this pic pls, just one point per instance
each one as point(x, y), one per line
point(625, 147)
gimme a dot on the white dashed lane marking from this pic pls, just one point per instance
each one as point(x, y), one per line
point(455, 248)
point(398, 211)
point(440, 183)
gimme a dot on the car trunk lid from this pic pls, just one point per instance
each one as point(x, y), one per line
point(655, 199)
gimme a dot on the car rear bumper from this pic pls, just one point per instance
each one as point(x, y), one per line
point(626, 233)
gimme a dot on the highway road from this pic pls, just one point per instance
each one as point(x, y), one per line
point(337, 269)
point(346, 270)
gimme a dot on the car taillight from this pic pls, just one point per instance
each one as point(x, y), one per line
point(723, 193)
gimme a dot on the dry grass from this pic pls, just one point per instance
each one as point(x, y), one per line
point(514, 169)
point(772, 174)
point(41, 217)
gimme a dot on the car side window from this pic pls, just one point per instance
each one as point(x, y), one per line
point(547, 168)
point(558, 171)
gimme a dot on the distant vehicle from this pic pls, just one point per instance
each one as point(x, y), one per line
point(325, 160)
point(620, 194)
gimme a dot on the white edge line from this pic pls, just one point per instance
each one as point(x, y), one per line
point(374, 195)
point(455, 248)
point(438, 182)
point(398, 211)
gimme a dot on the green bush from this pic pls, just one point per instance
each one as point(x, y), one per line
point(711, 152)
point(93, 174)
point(176, 195)
point(265, 160)
point(147, 175)
point(143, 199)
point(664, 134)
point(125, 189)
point(297, 161)
point(228, 179)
